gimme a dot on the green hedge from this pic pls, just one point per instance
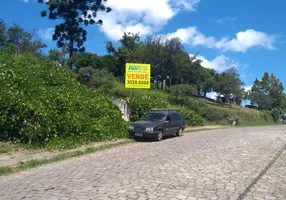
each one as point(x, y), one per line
point(192, 118)
point(141, 103)
point(40, 103)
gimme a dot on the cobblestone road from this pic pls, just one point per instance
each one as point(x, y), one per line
point(240, 163)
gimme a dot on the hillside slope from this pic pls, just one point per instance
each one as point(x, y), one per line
point(41, 104)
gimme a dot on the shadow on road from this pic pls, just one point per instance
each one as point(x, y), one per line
point(138, 139)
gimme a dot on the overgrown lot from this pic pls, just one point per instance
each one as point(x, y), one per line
point(41, 104)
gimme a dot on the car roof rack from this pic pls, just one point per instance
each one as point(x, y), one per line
point(164, 109)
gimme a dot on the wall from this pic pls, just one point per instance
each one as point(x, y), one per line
point(122, 105)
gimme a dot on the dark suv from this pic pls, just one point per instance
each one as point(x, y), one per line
point(158, 123)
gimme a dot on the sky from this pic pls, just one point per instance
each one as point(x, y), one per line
point(248, 35)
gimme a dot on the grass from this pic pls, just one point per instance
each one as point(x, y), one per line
point(7, 147)
point(63, 156)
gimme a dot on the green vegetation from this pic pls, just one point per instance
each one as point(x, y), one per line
point(8, 147)
point(41, 104)
point(267, 94)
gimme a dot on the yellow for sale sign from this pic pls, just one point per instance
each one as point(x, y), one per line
point(137, 75)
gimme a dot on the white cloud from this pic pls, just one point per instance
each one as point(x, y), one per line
point(244, 40)
point(250, 38)
point(220, 63)
point(146, 16)
point(192, 36)
point(225, 19)
point(188, 4)
point(26, 1)
point(46, 34)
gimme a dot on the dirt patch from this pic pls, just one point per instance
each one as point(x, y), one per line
point(10, 159)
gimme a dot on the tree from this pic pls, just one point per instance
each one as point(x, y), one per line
point(154, 52)
point(206, 80)
point(238, 92)
point(82, 60)
point(176, 59)
point(228, 84)
point(2, 33)
point(267, 93)
point(108, 62)
point(167, 59)
point(180, 93)
point(96, 79)
point(16, 40)
point(74, 15)
point(57, 55)
point(124, 53)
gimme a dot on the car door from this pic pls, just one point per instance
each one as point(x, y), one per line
point(168, 125)
point(176, 122)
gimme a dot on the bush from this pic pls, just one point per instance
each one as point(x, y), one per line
point(195, 105)
point(140, 104)
point(181, 92)
point(40, 103)
point(275, 113)
point(192, 118)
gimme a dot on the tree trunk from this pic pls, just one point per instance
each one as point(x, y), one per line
point(205, 93)
point(157, 83)
point(123, 74)
point(71, 48)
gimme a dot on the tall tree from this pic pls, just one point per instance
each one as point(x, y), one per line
point(155, 53)
point(74, 15)
point(16, 40)
point(108, 62)
point(124, 53)
point(238, 92)
point(2, 33)
point(175, 60)
point(82, 60)
point(267, 92)
point(206, 80)
point(167, 59)
point(228, 84)
point(57, 55)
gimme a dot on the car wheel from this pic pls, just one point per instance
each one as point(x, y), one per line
point(159, 136)
point(180, 132)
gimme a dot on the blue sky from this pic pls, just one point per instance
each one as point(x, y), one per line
point(250, 35)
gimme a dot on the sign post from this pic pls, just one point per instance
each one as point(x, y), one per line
point(138, 75)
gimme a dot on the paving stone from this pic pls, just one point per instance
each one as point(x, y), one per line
point(218, 164)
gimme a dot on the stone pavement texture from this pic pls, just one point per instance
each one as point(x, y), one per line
point(239, 163)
